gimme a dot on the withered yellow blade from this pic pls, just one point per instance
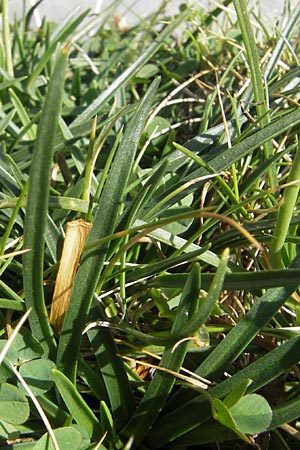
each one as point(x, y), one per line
point(76, 234)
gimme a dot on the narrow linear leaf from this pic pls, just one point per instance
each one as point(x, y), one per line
point(242, 334)
point(72, 204)
point(104, 223)
point(180, 417)
point(79, 409)
point(191, 327)
point(285, 413)
point(22, 113)
point(162, 383)
point(6, 120)
point(285, 214)
point(107, 424)
point(64, 33)
point(222, 414)
point(235, 281)
point(37, 206)
point(236, 394)
point(94, 108)
point(284, 36)
point(225, 158)
point(113, 373)
point(262, 109)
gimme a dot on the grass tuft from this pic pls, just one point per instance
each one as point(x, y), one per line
point(175, 143)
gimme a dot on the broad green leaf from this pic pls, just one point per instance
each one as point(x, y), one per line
point(8, 431)
point(79, 409)
point(14, 406)
point(148, 71)
point(180, 226)
point(38, 375)
point(12, 356)
point(252, 414)
point(156, 126)
point(67, 438)
point(27, 346)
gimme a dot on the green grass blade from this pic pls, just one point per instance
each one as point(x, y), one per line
point(9, 292)
point(285, 214)
point(5, 237)
point(191, 327)
point(102, 100)
point(7, 178)
point(178, 242)
point(162, 383)
point(256, 78)
point(24, 117)
point(64, 34)
point(6, 120)
point(161, 266)
point(245, 330)
point(113, 374)
point(104, 223)
point(225, 158)
point(181, 417)
point(37, 207)
point(235, 281)
point(285, 413)
point(275, 58)
point(78, 408)
point(68, 203)
point(206, 305)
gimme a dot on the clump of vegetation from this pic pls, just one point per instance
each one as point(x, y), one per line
point(149, 231)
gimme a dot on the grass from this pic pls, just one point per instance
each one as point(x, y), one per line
point(175, 142)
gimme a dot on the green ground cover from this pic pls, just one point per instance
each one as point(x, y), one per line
point(174, 146)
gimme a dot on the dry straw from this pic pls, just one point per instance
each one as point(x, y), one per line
point(76, 234)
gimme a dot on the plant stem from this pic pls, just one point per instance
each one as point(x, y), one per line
point(6, 39)
point(285, 214)
point(256, 78)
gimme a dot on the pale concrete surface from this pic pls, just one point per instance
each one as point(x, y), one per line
point(57, 10)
